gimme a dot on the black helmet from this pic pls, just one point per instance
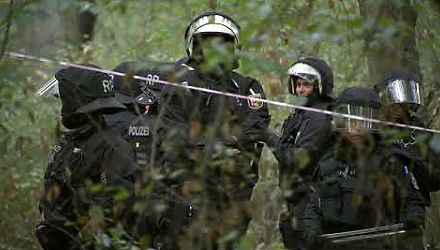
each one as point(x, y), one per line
point(211, 23)
point(357, 101)
point(126, 88)
point(315, 71)
point(399, 86)
point(86, 91)
point(136, 90)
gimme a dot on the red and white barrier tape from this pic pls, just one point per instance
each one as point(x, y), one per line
point(22, 56)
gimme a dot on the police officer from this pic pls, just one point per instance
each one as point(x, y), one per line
point(304, 136)
point(89, 167)
point(360, 183)
point(401, 93)
point(126, 90)
point(214, 140)
point(141, 97)
point(138, 125)
point(130, 92)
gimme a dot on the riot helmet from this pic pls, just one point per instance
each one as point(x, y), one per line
point(213, 23)
point(399, 87)
point(401, 93)
point(86, 91)
point(85, 94)
point(126, 88)
point(314, 71)
point(212, 42)
point(356, 101)
point(135, 92)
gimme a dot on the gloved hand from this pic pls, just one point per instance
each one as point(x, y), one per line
point(271, 138)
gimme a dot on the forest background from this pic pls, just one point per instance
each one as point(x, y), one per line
point(359, 39)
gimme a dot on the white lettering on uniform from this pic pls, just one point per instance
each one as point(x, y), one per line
point(107, 85)
point(138, 131)
point(151, 80)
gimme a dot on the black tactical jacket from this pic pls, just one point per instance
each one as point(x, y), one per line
point(196, 121)
point(120, 121)
point(143, 137)
point(362, 190)
point(89, 167)
point(305, 135)
point(421, 147)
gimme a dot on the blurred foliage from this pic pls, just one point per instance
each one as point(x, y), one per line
point(274, 35)
point(27, 135)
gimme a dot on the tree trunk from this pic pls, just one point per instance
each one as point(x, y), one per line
point(46, 33)
point(86, 24)
point(390, 37)
point(58, 27)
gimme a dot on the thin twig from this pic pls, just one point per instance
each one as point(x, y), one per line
point(8, 21)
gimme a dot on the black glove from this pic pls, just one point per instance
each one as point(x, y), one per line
point(271, 138)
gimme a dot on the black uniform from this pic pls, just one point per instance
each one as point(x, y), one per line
point(213, 141)
point(83, 161)
point(418, 146)
point(130, 91)
point(120, 121)
point(356, 191)
point(139, 125)
point(427, 172)
point(399, 87)
point(210, 141)
point(361, 182)
point(246, 120)
point(90, 167)
point(304, 137)
point(142, 99)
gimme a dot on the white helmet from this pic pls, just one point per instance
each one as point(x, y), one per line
point(306, 72)
point(210, 22)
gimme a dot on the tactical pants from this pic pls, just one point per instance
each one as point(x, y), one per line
point(163, 219)
point(290, 223)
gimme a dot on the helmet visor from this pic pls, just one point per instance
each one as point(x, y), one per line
point(49, 88)
point(355, 125)
point(308, 77)
point(403, 91)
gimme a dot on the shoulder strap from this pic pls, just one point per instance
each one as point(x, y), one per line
point(243, 83)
